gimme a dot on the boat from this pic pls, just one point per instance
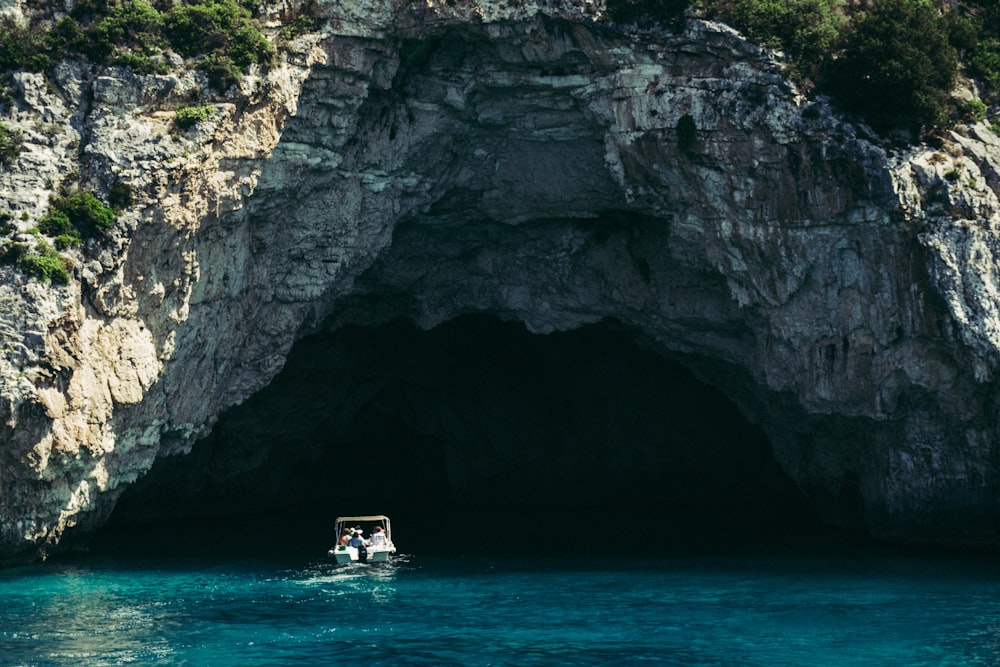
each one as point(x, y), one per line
point(375, 550)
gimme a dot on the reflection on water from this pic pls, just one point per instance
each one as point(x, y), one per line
point(111, 615)
point(776, 610)
point(72, 615)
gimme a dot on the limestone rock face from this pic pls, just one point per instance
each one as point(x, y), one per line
point(426, 160)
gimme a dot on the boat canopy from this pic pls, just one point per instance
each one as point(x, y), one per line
point(373, 517)
point(381, 519)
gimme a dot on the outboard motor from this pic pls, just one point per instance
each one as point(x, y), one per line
point(362, 554)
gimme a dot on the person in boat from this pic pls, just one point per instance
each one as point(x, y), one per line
point(378, 537)
point(345, 538)
point(358, 540)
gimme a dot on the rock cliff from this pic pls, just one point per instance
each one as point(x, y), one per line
point(424, 160)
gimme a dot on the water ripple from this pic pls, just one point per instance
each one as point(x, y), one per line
point(505, 611)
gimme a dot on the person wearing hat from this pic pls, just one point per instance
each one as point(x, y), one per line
point(359, 543)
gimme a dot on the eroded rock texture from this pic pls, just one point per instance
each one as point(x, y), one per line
point(423, 162)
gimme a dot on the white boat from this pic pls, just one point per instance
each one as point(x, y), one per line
point(377, 545)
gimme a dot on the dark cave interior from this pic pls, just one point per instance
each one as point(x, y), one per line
point(481, 428)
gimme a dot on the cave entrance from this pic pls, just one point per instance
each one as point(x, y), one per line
point(481, 423)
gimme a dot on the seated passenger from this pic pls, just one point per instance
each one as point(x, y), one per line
point(378, 537)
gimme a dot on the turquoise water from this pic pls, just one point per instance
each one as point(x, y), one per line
point(778, 606)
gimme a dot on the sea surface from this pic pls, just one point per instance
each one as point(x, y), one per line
point(814, 603)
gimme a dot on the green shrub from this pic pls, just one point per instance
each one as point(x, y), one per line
point(203, 27)
point(898, 67)
point(11, 254)
point(88, 10)
point(221, 71)
point(248, 46)
point(982, 51)
point(131, 24)
point(45, 264)
point(134, 24)
point(301, 25)
point(66, 241)
point(216, 26)
point(984, 64)
point(81, 214)
point(102, 40)
point(139, 21)
point(132, 33)
point(11, 143)
point(222, 32)
point(57, 223)
point(66, 36)
point(141, 63)
point(806, 29)
point(894, 62)
point(972, 110)
point(188, 117)
point(21, 47)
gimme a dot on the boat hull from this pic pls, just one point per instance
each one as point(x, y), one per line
point(345, 555)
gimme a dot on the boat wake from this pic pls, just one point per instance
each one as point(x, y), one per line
point(322, 573)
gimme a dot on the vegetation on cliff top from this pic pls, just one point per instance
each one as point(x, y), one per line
point(893, 62)
point(220, 35)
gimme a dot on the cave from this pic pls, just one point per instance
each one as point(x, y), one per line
point(479, 426)
point(507, 341)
